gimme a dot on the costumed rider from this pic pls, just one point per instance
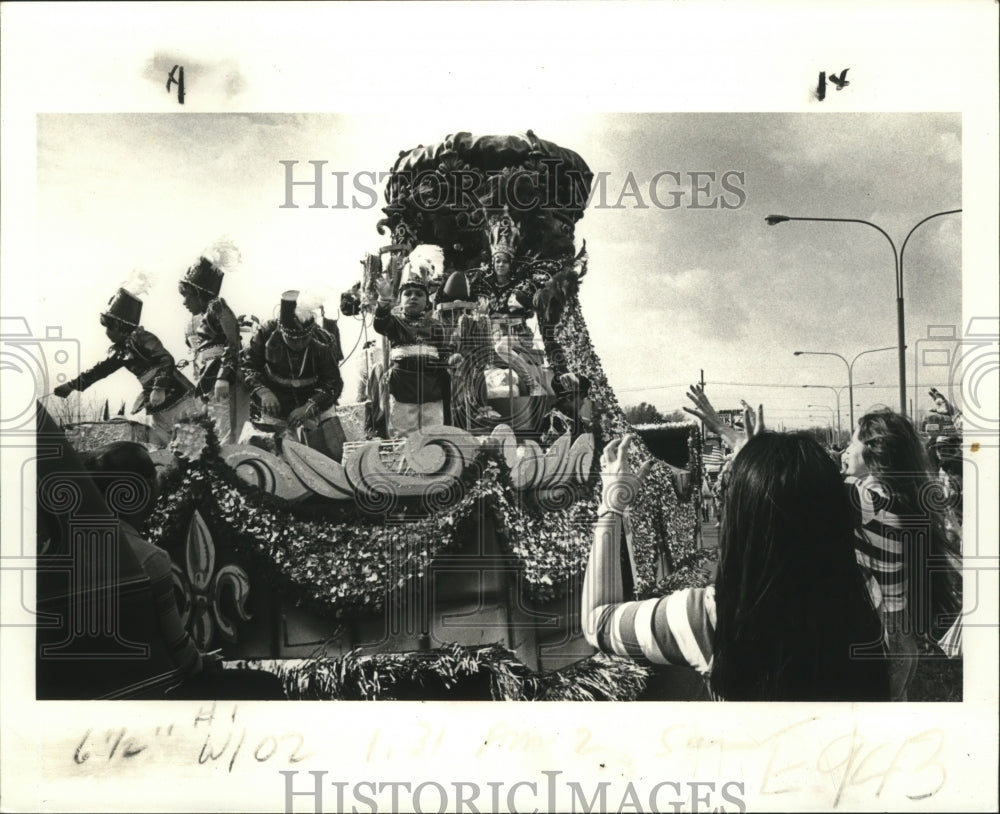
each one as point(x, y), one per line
point(507, 295)
point(166, 393)
point(420, 351)
point(213, 335)
point(291, 372)
point(468, 328)
point(943, 425)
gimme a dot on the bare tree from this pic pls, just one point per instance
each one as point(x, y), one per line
point(75, 408)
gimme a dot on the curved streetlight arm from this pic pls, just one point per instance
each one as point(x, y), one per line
point(772, 220)
point(823, 407)
point(873, 350)
point(821, 353)
point(910, 234)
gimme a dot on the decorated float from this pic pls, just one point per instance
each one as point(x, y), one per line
point(451, 560)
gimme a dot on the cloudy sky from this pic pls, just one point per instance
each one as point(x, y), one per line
point(670, 292)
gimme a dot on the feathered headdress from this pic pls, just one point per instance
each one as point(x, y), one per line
point(288, 317)
point(206, 273)
point(309, 305)
point(138, 283)
point(224, 255)
point(301, 310)
point(423, 265)
point(125, 306)
point(505, 236)
point(426, 261)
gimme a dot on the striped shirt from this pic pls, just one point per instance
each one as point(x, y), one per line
point(880, 548)
point(676, 629)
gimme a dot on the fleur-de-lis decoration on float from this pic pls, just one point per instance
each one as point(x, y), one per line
point(201, 588)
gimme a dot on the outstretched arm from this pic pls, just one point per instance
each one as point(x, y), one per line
point(149, 347)
point(675, 629)
point(753, 422)
point(704, 411)
point(101, 370)
point(602, 584)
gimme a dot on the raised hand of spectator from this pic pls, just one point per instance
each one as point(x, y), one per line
point(704, 411)
point(620, 484)
point(753, 423)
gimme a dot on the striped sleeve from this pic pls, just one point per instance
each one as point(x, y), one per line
point(880, 548)
point(675, 629)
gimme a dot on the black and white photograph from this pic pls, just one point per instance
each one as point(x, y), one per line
point(458, 371)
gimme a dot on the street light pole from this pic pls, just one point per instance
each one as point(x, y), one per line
point(827, 407)
point(773, 220)
point(837, 391)
point(829, 426)
point(850, 383)
point(850, 369)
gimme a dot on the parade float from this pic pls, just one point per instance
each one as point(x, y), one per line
point(448, 563)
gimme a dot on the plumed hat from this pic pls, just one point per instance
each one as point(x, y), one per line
point(423, 265)
point(296, 320)
point(413, 281)
point(207, 272)
point(124, 307)
point(203, 276)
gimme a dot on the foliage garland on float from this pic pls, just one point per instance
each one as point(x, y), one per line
point(340, 560)
point(662, 524)
point(453, 672)
point(553, 545)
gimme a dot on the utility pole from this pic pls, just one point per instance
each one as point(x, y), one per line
point(702, 383)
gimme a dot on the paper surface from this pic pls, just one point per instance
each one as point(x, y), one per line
point(104, 171)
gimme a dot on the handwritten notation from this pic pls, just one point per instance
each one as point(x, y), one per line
point(210, 738)
point(839, 81)
point(176, 77)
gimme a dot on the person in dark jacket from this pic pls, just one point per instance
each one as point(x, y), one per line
point(125, 468)
point(213, 335)
point(290, 367)
point(419, 356)
point(166, 394)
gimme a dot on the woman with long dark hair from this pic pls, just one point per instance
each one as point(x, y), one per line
point(901, 508)
point(789, 618)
